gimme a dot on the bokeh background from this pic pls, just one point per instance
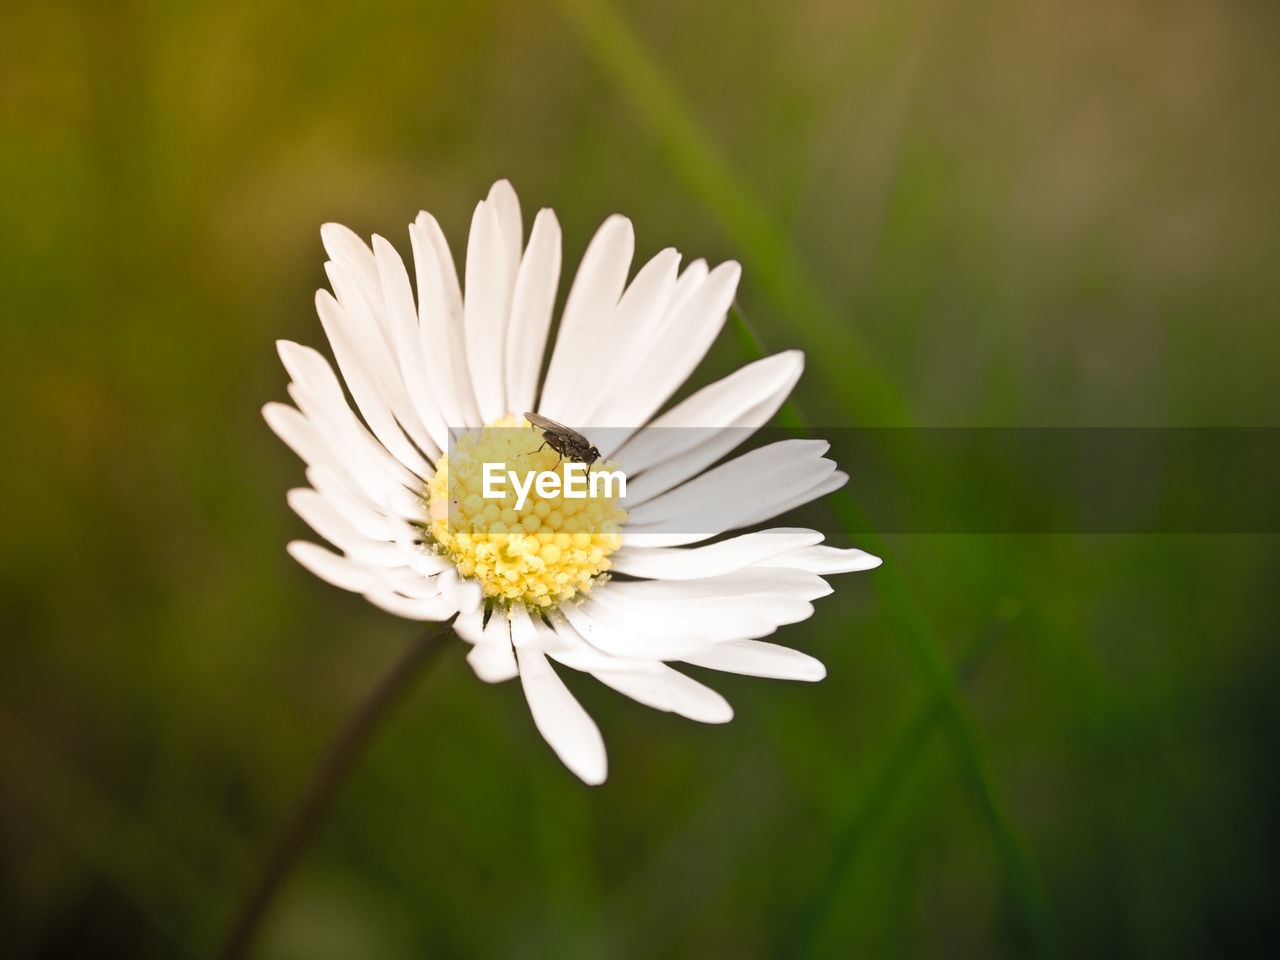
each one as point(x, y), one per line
point(976, 214)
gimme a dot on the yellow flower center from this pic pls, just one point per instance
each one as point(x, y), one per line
point(541, 552)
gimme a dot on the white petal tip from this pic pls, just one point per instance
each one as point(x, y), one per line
point(334, 235)
point(548, 216)
point(492, 663)
point(591, 766)
point(330, 567)
point(502, 186)
point(819, 672)
point(731, 272)
point(721, 716)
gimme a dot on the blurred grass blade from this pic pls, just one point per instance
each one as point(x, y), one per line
point(840, 359)
point(910, 624)
point(873, 802)
point(881, 790)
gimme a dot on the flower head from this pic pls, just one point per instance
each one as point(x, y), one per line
point(609, 584)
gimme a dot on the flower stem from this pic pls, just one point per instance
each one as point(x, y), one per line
point(317, 799)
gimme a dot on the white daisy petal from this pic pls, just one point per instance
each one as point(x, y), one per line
point(673, 563)
point(370, 341)
point(828, 483)
point(409, 505)
point(408, 583)
point(786, 462)
point(297, 433)
point(745, 585)
point(370, 489)
point(655, 618)
point(706, 609)
point(596, 290)
point(398, 297)
point(318, 394)
point(367, 516)
point(676, 470)
point(733, 407)
point(469, 625)
point(326, 519)
point(492, 658)
point(465, 595)
point(754, 658)
point(768, 380)
point(444, 345)
point(345, 247)
point(692, 528)
point(532, 301)
point(646, 681)
point(614, 636)
point(373, 476)
point(369, 380)
point(629, 328)
point(426, 564)
point(412, 608)
point(662, 688)
point(506, 205)
point(572, 734)
point(331, 568)
point(485, 309)
point(755, 486)
point(525, 631)
point(824, 560)
point(561, 642)
point(691, 280)
point(676, 349)
point(348, 525)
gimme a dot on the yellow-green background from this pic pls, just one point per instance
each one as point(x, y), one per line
point(1003, 213)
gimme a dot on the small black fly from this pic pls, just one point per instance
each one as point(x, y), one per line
point(565, 441)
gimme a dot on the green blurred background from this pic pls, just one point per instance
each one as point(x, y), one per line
point(978, 214)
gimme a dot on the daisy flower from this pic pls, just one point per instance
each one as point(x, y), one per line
point(441, 370)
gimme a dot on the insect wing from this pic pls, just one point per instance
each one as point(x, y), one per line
point(564, 440)
point(551, 426)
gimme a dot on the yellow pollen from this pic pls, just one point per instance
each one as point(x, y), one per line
point(546, 551)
